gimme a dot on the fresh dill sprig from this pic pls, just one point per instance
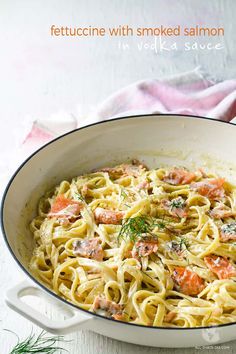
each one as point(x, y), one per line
point(179, 245)
point(229, 229)
point(134, 228)
point(127, 205)
point(184, 242)
point(177, 203)
point(123, 194)
point(39, 344)
point(79, 197)
point(160, 224)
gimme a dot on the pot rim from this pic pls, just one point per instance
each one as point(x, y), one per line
point(41, 285)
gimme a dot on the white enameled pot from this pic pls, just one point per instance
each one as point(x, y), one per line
point(156, 139)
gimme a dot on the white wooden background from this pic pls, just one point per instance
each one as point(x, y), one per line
point(40, 75)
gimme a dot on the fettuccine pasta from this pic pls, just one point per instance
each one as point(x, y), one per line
point(151, 247)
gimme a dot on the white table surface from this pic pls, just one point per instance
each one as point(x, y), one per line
point(40, 75)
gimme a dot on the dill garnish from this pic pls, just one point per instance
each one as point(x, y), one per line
point(177, 203)
point(161, 225)
point(229, 229)
point(184, 242)
point(79, 197)
point(179, 245)
point(39, 344)
point(123, 194)
point(128, 206)
point(134, 228)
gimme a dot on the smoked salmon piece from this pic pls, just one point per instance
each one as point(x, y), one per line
point(111, 309)
point(187, 282)
point(144, 248)
point(179, 176)
point(89, 248)
point(220, 266)
point(176, 207)
point(170, 316)
point(134, 169)
point(143, 185)
point(221, 212)
point(105, 216)
point(65, 207)
point(213, 189)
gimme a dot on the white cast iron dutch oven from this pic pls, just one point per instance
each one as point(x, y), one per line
point(155, 139)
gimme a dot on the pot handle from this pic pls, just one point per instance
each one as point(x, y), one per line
point(14, 301)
